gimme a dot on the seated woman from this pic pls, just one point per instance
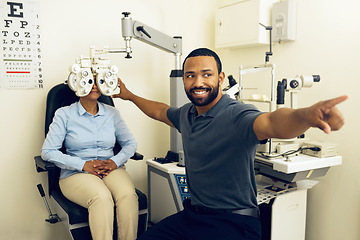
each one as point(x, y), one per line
point(91, 175)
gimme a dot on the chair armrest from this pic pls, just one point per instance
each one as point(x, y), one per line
point(43, 166)
point(137, 156)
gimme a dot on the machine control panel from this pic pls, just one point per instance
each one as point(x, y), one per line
point(182, 186)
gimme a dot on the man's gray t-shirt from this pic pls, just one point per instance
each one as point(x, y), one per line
point(219, 149)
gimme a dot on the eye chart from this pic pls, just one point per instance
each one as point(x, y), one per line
point(20, 49)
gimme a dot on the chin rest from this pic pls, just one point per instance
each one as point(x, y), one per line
point(75, 215)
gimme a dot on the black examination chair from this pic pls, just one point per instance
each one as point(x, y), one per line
point(73, 215)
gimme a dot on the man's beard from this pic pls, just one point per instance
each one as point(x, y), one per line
point(203, 101)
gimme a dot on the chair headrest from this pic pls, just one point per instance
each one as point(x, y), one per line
point(61, 95)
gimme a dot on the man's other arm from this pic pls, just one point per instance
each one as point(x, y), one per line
point(287, 123)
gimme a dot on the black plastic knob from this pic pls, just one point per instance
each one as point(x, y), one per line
point(316, 78)
point(294, 83)
point(126, 14)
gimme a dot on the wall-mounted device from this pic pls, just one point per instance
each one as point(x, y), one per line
point(284, 21)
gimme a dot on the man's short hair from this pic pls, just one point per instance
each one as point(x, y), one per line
point(205, 52)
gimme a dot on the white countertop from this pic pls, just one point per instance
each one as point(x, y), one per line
point(167, 167)
point(296, 164)
point(301, 163)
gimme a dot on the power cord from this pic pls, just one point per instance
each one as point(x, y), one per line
point(291, 152)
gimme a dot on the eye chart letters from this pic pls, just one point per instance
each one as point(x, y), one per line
point(20, 49)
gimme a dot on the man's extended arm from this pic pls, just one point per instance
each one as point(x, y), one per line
point(288, 123)
point(153, 109)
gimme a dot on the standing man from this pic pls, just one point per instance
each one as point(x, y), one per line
point(220, 137)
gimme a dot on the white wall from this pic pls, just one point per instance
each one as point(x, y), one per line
point(327, 44)
point(68, 29)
